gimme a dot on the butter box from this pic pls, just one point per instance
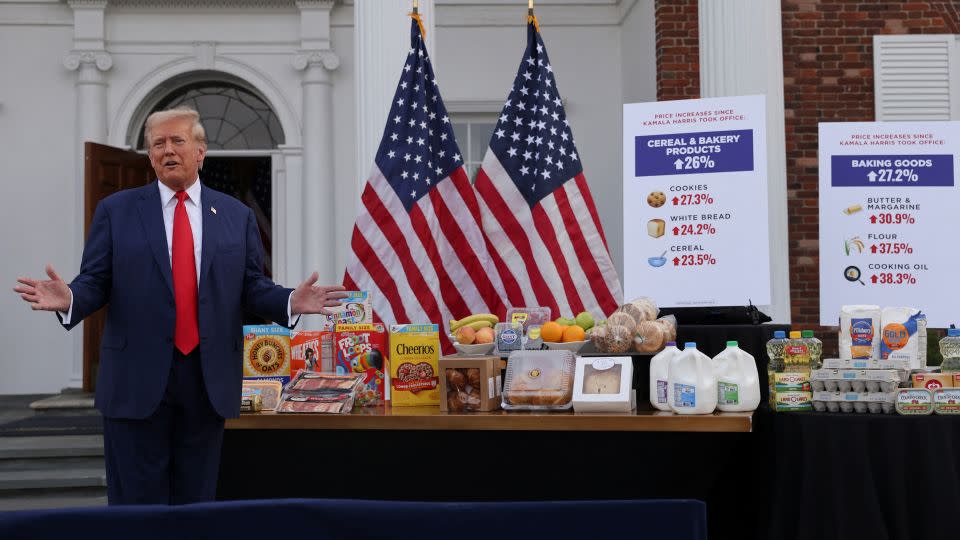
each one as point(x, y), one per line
point(946, 401)
point(932, 381)
point(914, 401)
point(792, 401)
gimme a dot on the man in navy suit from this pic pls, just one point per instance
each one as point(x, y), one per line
point(178, 263)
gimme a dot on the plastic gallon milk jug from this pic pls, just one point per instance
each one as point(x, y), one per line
point(692, 382)
point(659, 368)
point(738, 383)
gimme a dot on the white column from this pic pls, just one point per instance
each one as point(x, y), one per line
point(741, 53)
point(381, 41)
point(289, 223)
point(91, 62)
point(318, 220)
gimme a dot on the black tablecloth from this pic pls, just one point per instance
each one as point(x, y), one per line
point(848, 475)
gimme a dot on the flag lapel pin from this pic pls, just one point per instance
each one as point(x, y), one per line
point(214, 210)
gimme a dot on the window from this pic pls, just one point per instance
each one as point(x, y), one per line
point(917, 77)
point(473, 134)
point(233, 117)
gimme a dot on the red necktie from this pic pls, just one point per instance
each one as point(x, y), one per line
point(186, 335)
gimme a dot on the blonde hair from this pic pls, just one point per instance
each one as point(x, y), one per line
point(176, 113)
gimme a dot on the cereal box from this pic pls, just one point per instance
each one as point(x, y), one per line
point(413, 364)
point(362, 348)
point(266, 353)
point(355, 309)
point(304, 351)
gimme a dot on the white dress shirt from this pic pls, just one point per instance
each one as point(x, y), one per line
point(168, 201)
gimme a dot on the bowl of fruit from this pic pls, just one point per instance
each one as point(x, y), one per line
point(473, 338)
point(567, 334)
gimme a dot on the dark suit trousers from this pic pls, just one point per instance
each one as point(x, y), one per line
point(172, 456)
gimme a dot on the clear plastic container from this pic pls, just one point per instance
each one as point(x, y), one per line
point(527, 316)
point(950, 350)
point(539, 380)
point(815, 348)
point(508, 336)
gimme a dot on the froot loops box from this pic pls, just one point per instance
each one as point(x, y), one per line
point(362, 348)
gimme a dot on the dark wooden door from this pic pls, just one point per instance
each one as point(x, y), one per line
point(106, 170)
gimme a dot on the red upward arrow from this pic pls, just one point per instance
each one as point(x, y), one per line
point(676, 261)
point(873, 219)
point(676, 231)
point(873, 249)
point(873, 278)
point(675, 201)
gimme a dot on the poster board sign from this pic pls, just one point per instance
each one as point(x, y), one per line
point(889, 205)
point(695, 213)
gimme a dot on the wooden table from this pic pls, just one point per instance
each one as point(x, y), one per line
point(430, 418)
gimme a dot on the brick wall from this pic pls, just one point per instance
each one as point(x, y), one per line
point(828, 76)
point(678, 50)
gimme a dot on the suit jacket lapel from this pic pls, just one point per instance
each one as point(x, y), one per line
point(151, 216)
point(211, 233)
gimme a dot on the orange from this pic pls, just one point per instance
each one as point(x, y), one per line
point(573, 333)
point(551, 332)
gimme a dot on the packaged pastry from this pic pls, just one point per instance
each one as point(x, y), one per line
point(469, 384)
point(539, 380)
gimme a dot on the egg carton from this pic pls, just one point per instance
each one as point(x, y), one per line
point(902, 367)
point(855, 380)
point(861, 402)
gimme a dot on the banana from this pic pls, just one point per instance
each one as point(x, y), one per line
point(476, 325)
point(489, 317)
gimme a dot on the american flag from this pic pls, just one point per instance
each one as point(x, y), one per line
point(417, 245)
point(548, 244)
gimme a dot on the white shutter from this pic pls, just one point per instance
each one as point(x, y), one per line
point(916, 77)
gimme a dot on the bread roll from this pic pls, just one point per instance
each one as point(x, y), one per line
point(649, 337)
point(619, 339)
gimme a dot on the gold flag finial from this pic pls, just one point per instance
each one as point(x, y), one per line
point(416, 16)
point(531, 18)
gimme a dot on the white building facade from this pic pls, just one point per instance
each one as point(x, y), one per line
point(323, 73)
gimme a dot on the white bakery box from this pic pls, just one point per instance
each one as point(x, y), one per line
point(603, 384)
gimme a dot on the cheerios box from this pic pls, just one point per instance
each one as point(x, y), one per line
point(266, 353)
point(413, 365)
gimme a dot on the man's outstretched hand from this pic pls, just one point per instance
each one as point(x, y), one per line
point(310, 298)
point(47, 294)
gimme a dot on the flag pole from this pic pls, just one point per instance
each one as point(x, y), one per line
point(531, 18)
point(416, 16)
